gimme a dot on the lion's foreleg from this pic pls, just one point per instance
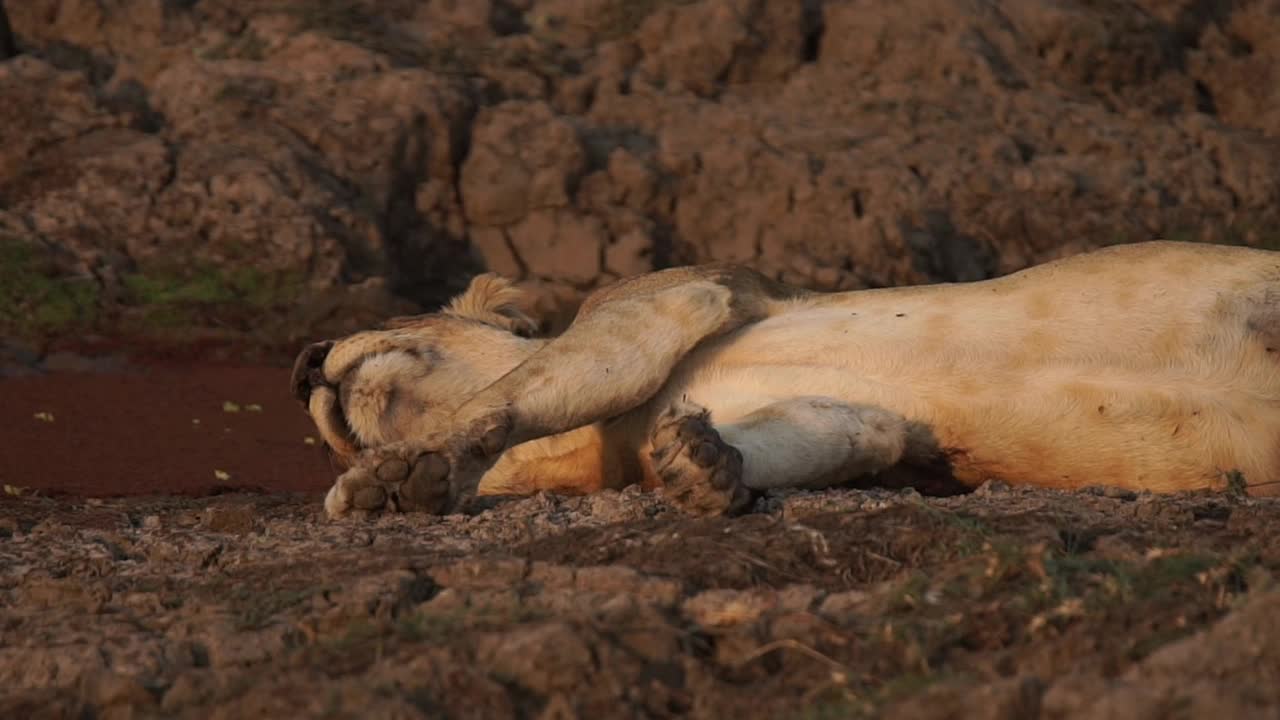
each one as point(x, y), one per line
point(710, 468)
point(609, 361)
point(815, 442)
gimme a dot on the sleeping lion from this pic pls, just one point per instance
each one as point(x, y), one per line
point(1153, 366)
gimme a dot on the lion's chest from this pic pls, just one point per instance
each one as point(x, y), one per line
point(875, 353)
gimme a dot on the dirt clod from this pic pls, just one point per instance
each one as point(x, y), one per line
point(1018, 604)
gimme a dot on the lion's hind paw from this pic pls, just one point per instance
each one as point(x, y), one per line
point(700, 472)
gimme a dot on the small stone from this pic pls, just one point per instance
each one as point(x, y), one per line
point(1117, 493)
point(108, 689)
point(185, 690)
point(992, 487)
point(722, 608)
point(843, 606)
point(237, 519)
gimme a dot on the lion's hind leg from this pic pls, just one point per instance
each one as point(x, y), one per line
point(808, 442)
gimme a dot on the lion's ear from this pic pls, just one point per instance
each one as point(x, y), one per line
point(493, 299)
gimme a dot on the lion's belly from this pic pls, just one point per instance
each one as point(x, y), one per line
point(1139, 384)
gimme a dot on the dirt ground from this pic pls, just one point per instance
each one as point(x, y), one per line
point(232, 597)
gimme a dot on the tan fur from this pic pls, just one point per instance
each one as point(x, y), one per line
point(494, 300)
point(1148, 366)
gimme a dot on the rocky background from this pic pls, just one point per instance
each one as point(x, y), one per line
point(273, 170)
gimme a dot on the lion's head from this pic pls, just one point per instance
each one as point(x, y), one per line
point(406, 379)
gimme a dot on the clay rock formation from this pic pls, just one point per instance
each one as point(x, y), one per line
point(275, 170)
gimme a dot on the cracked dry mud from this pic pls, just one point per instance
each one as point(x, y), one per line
point(286, 170)
point(1006, 603)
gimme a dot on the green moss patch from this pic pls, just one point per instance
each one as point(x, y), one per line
point(205, 295)
point(35, 301)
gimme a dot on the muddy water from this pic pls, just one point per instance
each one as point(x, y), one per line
point(111, 428)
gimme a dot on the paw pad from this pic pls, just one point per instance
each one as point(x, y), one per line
point(701, 473)
point(393, 480)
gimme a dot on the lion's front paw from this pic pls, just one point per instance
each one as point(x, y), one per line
point(701, 473)
point(395, 478)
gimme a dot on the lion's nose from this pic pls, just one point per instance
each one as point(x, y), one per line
point(308, 370)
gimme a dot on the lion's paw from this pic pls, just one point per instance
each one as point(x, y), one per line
point(700, 472)
point(394, 478)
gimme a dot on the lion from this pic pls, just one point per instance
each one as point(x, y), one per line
point(1150, 366)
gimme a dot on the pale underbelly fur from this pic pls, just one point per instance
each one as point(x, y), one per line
point(1159, 371)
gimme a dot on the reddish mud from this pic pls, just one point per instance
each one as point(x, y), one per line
point(157, 429)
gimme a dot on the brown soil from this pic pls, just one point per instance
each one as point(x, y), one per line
point(156, 428)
